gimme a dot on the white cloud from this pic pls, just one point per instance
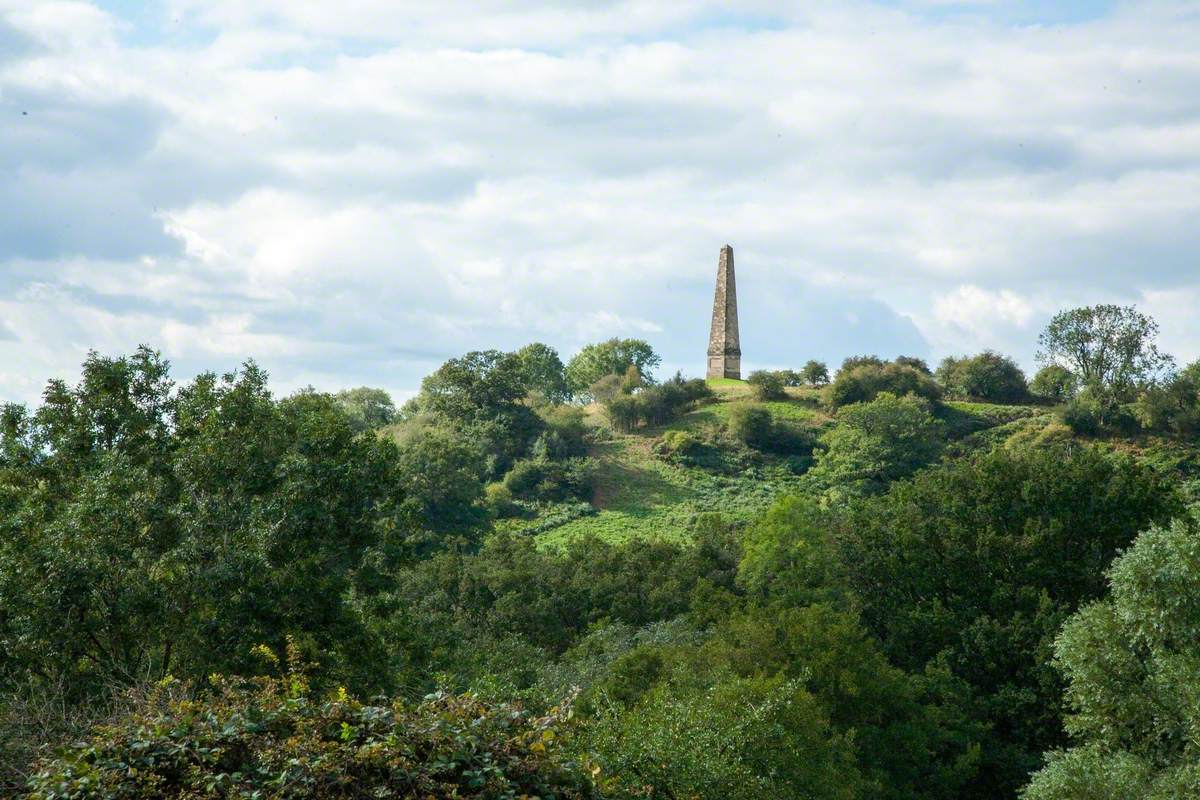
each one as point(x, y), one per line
point(353, 191)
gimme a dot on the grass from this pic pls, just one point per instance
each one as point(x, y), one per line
point(641, 496)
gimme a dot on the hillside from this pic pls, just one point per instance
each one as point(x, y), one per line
point(642, 494)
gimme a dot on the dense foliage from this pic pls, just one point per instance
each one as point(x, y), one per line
point(611, 357)
point(1131, 665)
point(275, 737)
point(877, 442)
point(922, 616)
point(987, 376)
point(862, 378)
point(973, 567)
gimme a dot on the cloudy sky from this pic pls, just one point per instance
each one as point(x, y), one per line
point(351, 192)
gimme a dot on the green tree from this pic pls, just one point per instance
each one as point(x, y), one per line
point(745, 738)
point(543, 372)
point(877, 442)
point(1132, 665)
point(480, 384)
point(368, 409)
point(1111, 348)
point(973, 567)
point(442, 472)
point(861, 379)
point(611, 357)
point(767, 385)
point(481, 395)
point(988, 376)
point(912, 361)
point(148, 530)
point(1054, 383)
point(815, 373)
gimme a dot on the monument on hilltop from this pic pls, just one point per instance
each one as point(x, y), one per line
point(724, 347)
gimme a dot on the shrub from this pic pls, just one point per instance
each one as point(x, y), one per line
point(499, 499)
point(551, 480)
point(767, 385)
point(653, 405)
point(1082, 415)
point(752, 425)
point(861, 382)
point(569, 424)
point(624, 412)
point(988, 376)
point(274, 737)
point(790, 377)
point(878, 442)
point(679, 443)
point(606, 388)
point(1054, 384)
point(815, 373)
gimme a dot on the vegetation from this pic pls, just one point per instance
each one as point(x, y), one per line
point(583, 581)
point(862, 378)
point(988, 376)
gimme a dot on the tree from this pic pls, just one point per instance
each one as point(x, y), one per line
point(481, 395)
point(988, 376)
point(1054, 383)
point(767, 385)
point(368, 409)
point(815, 373)
point(861, 379)
point(916, 363)
point(1130, 662)
point(612, 357)
point(149, 530)
point(973, 567)
point(877, 442)
point(442, 473)
point(476, 385)
point(1110, 348)
point(543, 372)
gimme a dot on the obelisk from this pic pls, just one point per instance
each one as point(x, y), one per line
point(724, 346)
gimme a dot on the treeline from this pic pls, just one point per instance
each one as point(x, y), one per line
point(908, 626)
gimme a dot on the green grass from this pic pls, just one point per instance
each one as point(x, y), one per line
point(641, 496)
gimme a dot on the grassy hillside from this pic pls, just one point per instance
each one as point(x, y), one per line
point(641, 494)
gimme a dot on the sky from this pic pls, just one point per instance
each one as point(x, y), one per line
point(351, 193)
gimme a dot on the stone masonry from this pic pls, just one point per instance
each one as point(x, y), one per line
point(724, 346)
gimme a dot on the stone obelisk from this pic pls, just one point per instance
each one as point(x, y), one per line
point(724, 346)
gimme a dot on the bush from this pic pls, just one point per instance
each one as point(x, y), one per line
point(551, 481)
point(878, 442)
point(1054, 384)
point(653, 405)
point(864, 379)
point(815, 373)
point(767, 385)
point(274, 737)
point(499, 499)
point(988, 376)
point(624, 412)
point(1082, 415)
point(570, 425)
point(679, 443)
point(790, 377)
point(752, 425)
